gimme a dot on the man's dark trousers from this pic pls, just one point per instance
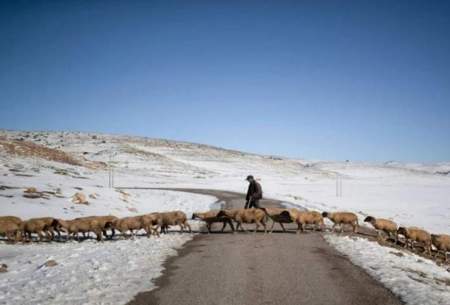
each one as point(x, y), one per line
point(252, 203)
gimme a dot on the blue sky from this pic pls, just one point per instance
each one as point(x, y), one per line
point(314, 79)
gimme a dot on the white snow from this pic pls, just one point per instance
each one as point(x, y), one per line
point(89, 272)
point(416, 280)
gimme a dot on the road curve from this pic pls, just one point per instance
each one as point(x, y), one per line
point(247, 268)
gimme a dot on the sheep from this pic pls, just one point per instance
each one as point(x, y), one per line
point(278, 215)
point(46, 225)
point(130, 223)
point(342, 218)
point(10, 230)
point(104, 221)
point(414, 234)
point(13, 219)
point(252, 215)
point(151, 223)
point(82, 225)
point(211, 217)
point(174, 218)
point(387, 226)
point(442, 243)
point(303, 218)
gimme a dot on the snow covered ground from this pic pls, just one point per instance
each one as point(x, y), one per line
point(63, 163)
point(91, 272)
point(417, 281)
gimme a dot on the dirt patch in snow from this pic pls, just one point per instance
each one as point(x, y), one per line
point(24, 148)
point(30, 149)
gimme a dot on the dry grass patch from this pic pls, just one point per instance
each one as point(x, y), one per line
point(30, 149)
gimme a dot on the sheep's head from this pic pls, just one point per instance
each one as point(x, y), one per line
point(285, 215)
point(325, 214)
point(434, 237)
point(402, 230)
point(369, 219)
point(194, 215)
point(60, 225)
point(55, 224)
point(222, 213)
point(18, 236)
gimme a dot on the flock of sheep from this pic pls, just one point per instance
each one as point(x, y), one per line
point(15, 229)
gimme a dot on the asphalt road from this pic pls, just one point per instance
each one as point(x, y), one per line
point(248, 268)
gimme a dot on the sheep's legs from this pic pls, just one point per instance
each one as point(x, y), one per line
point(230, 222)
point(257, 226)
point(241, 226)
point(322, 226)
point(427, 249)
point(273, 224)
point(355, 227)
point(149, 231)
point(156, 230)
point(394, 236)
point(188, 226)
point(333, 228)
point(99, 235)
point(282, 227)
point(299, 228)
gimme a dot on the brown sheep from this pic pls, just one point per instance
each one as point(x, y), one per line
point(414, 234)
point(342, 218)
point(40, 226)
point(151, 223)
point(211, 217)
point(278, 215)
point(105, 222)
point(387, 226)
point(13, 219)
point(303, 218)
point(229, 213)
point(83, 225)
point(442, 243)
point(174, 218)
point(257, 216)
point(10, 230)
point(131, 223)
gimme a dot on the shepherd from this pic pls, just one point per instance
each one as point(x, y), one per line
point(254, 193)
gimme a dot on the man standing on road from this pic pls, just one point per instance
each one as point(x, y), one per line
point(254, 193)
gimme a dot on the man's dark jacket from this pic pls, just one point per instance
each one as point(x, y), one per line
point(254, 191)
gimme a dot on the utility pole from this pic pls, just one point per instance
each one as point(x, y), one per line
point(110, 171)
point(338, 185)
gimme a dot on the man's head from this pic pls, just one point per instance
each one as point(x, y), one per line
point(250, 178)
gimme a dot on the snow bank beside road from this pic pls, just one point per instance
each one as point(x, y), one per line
point(417, 281)
point(90, 272)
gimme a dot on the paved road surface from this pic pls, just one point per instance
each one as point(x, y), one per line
point(247, 269)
